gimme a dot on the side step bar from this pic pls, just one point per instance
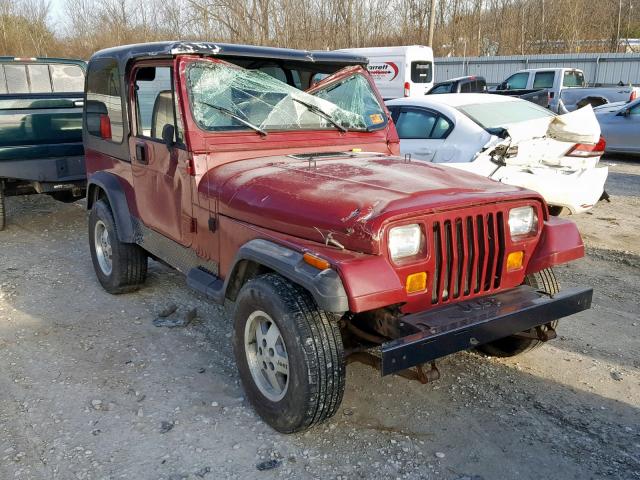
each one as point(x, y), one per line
point(461, 326)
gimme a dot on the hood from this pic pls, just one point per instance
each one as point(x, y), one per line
point(343, 198)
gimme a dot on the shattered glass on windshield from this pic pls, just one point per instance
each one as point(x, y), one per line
point(227, 97)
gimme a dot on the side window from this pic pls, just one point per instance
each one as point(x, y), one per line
point(466, 87)
point(635, 110)
point(441, 129)
point(518, 81)
point(104, 101)
point(415, 124)
point(543, 80)
point(154, 101)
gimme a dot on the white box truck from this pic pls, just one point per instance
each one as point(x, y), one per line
point(399, 71)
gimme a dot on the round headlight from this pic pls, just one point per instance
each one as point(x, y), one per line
point(405, 241)
point(522, 221)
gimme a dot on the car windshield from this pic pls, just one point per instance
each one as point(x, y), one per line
point(501, 114)
point(227, 97)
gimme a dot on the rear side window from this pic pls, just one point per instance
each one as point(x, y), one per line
point(573, 78)
point(543, 80)
point(104, 101)
point(414, 124)
point(421, 72)
point(466, 87)
point(41, 78)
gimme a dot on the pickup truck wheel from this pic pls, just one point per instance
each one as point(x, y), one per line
point(3, 215)
point(120, 267)
point(544, 281)
point(289, 354)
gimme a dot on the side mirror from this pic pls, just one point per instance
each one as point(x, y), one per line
point(624, 113)
point(168, 135)
point(503, 86)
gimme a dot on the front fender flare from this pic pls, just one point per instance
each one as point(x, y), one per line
point(324, 285)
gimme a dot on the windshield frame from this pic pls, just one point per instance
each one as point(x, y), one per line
point(191, 101)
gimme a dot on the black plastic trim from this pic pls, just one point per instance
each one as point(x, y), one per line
point(464, 325)
point(324, 285)
point(110, 184)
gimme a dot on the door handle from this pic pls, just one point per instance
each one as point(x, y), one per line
point(141, 153)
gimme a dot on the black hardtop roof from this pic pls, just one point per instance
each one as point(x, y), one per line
point(125, 53)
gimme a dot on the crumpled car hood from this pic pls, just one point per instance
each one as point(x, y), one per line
point(343, 200)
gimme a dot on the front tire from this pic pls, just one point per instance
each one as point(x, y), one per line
point(543, 281)
point(120, 267)
point(289, 354)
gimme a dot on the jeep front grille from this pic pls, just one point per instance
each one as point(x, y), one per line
point(468, 253)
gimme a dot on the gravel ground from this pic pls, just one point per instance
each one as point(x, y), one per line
point(91, 389)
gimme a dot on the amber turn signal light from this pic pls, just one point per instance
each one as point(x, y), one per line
point(319, 263)
point(416, 282)
point(514, 261)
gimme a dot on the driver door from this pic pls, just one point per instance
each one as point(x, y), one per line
point(160, 176)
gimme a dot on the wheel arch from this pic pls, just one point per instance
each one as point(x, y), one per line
point(259, 256)
point(103, 185)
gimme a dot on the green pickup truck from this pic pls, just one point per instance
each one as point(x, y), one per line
point(41, 149)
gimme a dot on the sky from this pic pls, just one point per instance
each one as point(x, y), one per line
point(56, 14)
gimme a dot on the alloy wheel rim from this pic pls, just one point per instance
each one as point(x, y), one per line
point(266, 355)
point(102, 244)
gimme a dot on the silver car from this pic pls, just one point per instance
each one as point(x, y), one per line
point(620, 125)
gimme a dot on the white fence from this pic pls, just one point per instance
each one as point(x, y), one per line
point(599, 68)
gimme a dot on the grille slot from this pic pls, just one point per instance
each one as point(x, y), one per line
point(468, 253)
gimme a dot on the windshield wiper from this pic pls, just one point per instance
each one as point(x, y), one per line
point(236, 117)
point(318, 111)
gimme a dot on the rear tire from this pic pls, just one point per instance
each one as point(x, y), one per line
point(120, 267)
point(289, 354)
point(3, 215)
point(543, 281)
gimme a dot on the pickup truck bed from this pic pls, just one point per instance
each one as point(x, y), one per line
point(41, 147)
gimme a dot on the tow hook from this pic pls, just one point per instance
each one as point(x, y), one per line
point(423, 372)
point(431, 374)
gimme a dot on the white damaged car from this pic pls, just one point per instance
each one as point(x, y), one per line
point(510, 140)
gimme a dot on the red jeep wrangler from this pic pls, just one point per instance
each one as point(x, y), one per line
point(283, 194)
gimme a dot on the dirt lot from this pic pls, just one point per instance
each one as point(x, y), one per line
point(90, 388)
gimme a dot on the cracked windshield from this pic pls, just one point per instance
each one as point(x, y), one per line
point(227, 97)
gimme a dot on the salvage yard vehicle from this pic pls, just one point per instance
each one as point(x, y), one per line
point(293, 205)
point(620, 124)
point(473, 84)
point(41, 128)
point(509, 140)
point(566, 87)
point(398, 71)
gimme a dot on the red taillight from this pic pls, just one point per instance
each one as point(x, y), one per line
point(588, 149)
point(407, 89)
point(105, 127)
point(634, 95)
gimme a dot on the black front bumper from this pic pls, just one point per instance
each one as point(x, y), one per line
point(461, 326)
